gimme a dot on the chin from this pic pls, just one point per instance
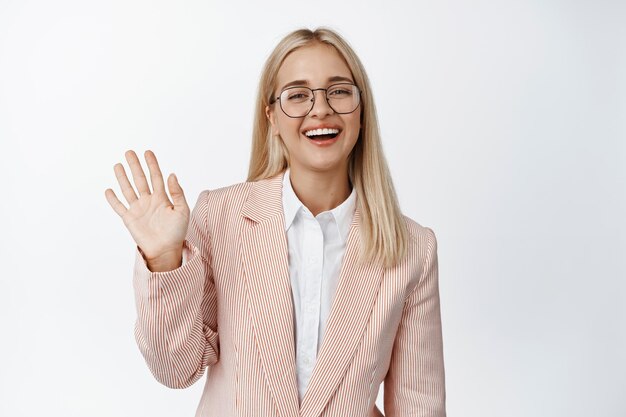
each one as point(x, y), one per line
point(325, 166)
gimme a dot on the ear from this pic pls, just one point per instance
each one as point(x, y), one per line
point(271, 116)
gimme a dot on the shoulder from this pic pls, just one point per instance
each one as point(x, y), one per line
point(421, 255)
point(224, 201)
point(261, 195)
point(419, 234)
point(422, 242)
point(230, 193)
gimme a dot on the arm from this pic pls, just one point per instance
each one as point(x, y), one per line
point(414, 385)
point(176, 327)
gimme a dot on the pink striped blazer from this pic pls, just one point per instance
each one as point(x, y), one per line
point(228, 311)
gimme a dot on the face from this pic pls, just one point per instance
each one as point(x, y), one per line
point(316, 66)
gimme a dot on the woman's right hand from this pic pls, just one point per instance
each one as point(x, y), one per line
point(157, 225)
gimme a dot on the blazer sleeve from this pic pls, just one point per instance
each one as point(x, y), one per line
point(414, 385)
point(176, 327)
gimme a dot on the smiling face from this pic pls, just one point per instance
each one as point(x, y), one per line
point(315, 66)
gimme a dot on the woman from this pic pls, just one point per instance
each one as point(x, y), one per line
point(303, 289)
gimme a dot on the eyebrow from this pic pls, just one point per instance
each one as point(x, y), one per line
point(305, 82)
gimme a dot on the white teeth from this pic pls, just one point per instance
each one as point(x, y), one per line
point(317, 132)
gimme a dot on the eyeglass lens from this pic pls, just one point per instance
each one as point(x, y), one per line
point(298, 101)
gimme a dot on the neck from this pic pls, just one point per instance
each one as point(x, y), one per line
point(320, 191)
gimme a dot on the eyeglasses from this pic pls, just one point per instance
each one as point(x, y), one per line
point(297, 102)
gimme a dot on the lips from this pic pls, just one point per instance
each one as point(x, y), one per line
point(323, 140)
point(324, 137)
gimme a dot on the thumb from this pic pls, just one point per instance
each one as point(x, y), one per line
point(178, 196)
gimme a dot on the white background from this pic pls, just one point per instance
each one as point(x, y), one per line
point(504, 124)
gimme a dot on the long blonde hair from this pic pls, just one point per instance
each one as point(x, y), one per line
point(384, 233)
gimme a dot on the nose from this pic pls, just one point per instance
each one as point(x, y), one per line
point(321, 108)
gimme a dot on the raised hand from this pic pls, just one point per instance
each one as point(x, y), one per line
point(157, 225)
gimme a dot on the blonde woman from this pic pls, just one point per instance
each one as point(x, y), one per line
point(303, 289)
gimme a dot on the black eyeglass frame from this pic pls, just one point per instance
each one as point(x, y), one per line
point(313, 90)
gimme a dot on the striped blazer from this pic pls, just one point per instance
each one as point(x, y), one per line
point(228, 310)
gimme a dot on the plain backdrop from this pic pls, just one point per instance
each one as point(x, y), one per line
point(504, 123)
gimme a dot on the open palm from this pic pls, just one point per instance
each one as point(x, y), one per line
point(157, 225)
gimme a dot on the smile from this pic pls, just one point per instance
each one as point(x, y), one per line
point(322, 134)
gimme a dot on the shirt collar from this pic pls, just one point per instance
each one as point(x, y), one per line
point(342, 214)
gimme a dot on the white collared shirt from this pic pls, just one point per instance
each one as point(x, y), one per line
point(316, 248)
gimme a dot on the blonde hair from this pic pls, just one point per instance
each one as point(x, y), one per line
point(384, 233)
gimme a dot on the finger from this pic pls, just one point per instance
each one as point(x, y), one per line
point(126, 187)
point(155, 172)
point(115, 203)
point(138, 176)
point(176, 191)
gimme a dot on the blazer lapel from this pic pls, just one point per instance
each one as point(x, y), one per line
point(356, 292)
point(264, 255)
